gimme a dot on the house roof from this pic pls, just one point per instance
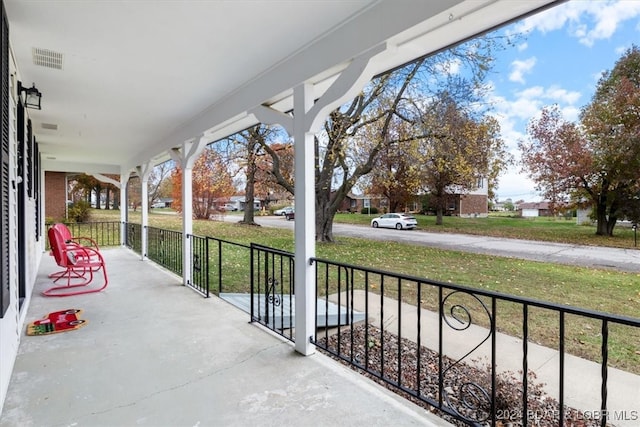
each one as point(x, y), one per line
point(125, 82)
point(534, 205)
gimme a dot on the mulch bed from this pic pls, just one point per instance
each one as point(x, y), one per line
point(466, 388)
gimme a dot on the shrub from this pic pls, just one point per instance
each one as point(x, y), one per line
point(369, 210)
point(79, 211)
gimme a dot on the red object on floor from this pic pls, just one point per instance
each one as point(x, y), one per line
point(58, 321)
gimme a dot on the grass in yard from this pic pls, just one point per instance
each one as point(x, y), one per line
point(600, 290)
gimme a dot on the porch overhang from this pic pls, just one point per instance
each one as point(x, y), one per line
point(135, 80)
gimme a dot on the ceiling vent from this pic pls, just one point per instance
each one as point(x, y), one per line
point(49, 126)
point(47, 58)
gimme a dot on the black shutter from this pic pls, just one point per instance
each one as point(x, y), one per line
point(29, 155)
point(5, 292)
point(36, 186)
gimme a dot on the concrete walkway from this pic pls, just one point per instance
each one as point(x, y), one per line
point(154, 353)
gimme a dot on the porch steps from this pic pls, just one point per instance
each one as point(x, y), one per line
point(282, 314)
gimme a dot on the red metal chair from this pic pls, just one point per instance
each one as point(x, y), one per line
point(75, 241)
point(80, 263)
point(72, 243)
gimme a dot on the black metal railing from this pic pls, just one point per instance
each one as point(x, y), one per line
point(272, 296)
point(133, 237)
point(437, 342)
point(199, 264)
point(103, 233)
point(165, 248)
point(229, 270)
point(440, 343)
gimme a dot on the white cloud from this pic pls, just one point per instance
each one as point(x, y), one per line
point(570, 113)
point(588, 21)
point(520, 68)
point(620, 50)
point(522, 47)
point(559, 95)
point(515, 185)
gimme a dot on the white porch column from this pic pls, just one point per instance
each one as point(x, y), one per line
point(186, 156)
point(124, 207)
point(143, 172)
point(305, 224)
point(308, 117)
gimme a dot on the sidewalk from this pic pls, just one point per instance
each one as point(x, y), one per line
point(582, 377)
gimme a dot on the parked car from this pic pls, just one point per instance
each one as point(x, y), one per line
point(290, 215)
point(230, 207)
point(283, 211)
point(398, 221)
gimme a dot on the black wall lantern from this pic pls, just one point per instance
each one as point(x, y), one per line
point(33, 96)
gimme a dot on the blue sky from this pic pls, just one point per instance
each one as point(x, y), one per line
point(560, 60)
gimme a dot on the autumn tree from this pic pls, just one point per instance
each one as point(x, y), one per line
point(556, 157)
point(247, 149)
point(275, 170)
point(85, 185)
point(159, 182)
point(346, 149)
point(211, 180)
point(458, 149)
point(343, 154)
point(599, 159)
point(395, 174)
point(612, 128)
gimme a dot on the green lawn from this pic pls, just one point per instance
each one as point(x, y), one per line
point(595, 289)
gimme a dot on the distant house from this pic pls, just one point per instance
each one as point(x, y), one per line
point(163, 202)
point(356, 203)
point(240, 202)
point(460, 202)
point(534, 209)
point(469, 203)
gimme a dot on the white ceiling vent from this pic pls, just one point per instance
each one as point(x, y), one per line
point(47, 58)
point(49, 126)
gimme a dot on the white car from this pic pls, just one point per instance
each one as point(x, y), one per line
point(283, 211)
point(398, 221)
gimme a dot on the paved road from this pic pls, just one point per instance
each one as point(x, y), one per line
point(588, 256)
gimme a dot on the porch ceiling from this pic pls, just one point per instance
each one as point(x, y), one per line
point(140, 77)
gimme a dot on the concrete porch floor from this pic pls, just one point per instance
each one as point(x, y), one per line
point(155, 353)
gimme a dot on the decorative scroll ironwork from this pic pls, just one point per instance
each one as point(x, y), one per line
point(470, 399)
point(197, 264)
point(162, 249)
point(272, 297)
point(131, 235)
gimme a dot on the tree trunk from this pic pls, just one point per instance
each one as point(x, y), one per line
point(324, 218)
point(611, 223)
point(324, 228)
point(439, 215)
point(249, 215)
point(601, 218)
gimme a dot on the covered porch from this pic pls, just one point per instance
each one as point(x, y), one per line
point(154, 352)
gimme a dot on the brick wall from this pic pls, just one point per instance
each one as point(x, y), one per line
point(472, 205)
point(55, 196)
